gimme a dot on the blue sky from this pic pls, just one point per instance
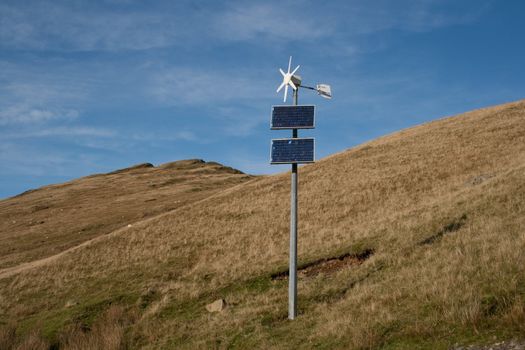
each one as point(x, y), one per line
point(93, 86)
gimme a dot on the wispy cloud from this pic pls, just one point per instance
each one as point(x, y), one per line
point(29, 160)
point(19, 159)
point(28, 96)
point(280, 21)
point(233, 98)
point(192, 86)
point(62, 131)
point(365, 17)
point(64, 26)
point(28, 114)
point(183, 135)
point(241, 121)
point(313, 22)
point(90, 26)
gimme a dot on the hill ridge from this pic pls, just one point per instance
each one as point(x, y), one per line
point(53, 218)
point(10, 271)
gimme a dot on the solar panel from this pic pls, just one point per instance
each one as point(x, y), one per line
point(288, 151)
point(293, 117)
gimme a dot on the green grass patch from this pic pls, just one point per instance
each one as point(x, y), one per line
point(52, 322)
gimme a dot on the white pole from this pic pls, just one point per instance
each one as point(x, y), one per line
point(292, 274)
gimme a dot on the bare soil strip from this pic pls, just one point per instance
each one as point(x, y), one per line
point(328, 265)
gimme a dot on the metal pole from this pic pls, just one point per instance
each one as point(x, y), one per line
point(292, 281)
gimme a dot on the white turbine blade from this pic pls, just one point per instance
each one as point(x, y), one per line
point(282, 72)
point(295, 70)
point(281, 86)
point(289, 64)
point(292, 84)
point(285, 93)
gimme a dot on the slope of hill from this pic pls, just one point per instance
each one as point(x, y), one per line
point(414, 240)
point(41, 223)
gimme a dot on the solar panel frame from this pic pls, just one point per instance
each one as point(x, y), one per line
point(309, 126)
point(291, 161)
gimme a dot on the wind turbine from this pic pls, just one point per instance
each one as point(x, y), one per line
point(287, 79)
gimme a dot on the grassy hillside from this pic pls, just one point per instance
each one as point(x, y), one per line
point(414, 240)
point(43, 222)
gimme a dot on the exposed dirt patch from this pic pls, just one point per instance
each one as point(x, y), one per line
point(328, 265)
point(39, 207)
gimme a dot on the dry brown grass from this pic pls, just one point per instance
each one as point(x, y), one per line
point(31, 341)
point(47, 221)
point(441, 204)
point(106, 333)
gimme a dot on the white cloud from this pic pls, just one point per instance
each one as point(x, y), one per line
point(63, 131)
point(232, 96)
point(20, 159)
point(31, 95)
point(184, 135)
point(241, 121)
point(429, 14)
point(196, 86)
point(312, 22)
point(55, 26)
point(365, 17)
point(88, 26)
point(27, 114)
point(277, 21)
point(31, 160)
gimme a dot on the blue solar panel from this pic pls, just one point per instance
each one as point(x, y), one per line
point(288, 151)
point(293, 117)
